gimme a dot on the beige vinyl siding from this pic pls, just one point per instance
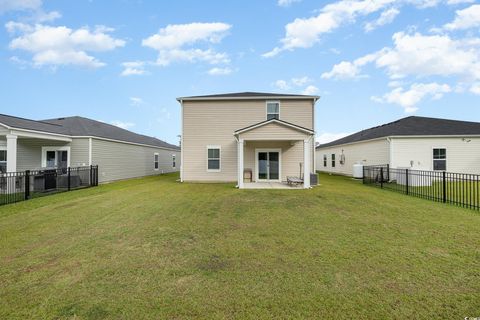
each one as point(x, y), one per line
point(214, 123)
point(118, 160)
point(273, 131)
point(366, 152)
point(462, 156)
point(29, 152)
point(291, 156)
point(79, 152)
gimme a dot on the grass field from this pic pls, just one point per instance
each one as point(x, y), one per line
point(156, 249)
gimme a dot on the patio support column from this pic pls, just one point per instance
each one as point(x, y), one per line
point(240, 145)
point(306, 163)
point(11, 153)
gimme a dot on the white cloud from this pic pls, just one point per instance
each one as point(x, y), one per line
point(326, 137)
point(220, 71)
point(419, 55)
point(386, 17)
point(18, 5)
point(305, 32)
point(61, 45)
point(409, 99)
point(132, 68)
point(174, 42)
point(465, 19)
point(296, 84)
point(349, 70)
point(282, 85)
point(475, 88)
point(455, 2)
point(121, 124)
point(136, 101)
point(310, 90)
point(301, 81)
point(286, 3)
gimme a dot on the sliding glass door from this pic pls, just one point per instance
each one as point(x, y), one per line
point(268, 164)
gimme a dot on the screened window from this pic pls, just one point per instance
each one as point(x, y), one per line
point(174, 162)
point(324, 160)
point(273, 110)
point(155, 161)
point(440, 159)
point(3, 161)
point(213, 158)
point(333, 160)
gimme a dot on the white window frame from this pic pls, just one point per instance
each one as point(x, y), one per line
point(433, 160)
point(219, 158)
point(333, 160)
point(266, 108)
point(174, 160)
point(55, 149)
point(279, 150)
point(156, 161)
point(325, 160)
point(4, 148)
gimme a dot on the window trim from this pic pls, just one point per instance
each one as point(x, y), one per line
point(4, 148)
point(156, 161)
point(433, 160)
point(219, 158)
point(333, 159)
point(174, 160)
point(325, 160)
point(266, 108)
point(55, 149)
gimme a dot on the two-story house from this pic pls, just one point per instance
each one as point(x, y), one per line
point(230, 137)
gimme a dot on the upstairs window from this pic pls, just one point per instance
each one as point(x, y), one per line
point(324, 160)
point(174, 162)
point(155, 161)
point(273, 110)
point(333, 160)
point(440, 159)
point(213, 158)
point(3, 161)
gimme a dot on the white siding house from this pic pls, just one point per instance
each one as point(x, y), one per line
point(413, 142)
point(76, 142)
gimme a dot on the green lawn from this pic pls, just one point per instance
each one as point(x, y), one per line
point(157, 249)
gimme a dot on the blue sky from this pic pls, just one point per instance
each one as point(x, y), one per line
point(125, 62)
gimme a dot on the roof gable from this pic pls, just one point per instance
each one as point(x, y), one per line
point(277, 122)
point(249, 95)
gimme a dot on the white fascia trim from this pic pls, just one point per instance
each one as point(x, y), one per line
point(315, 98)
point(276, 121)
point(182, 144)
point(40, 135)
point(90, 154)
point(404, 137)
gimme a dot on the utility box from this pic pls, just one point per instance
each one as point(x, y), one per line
point(247, 175)
point(313, 179)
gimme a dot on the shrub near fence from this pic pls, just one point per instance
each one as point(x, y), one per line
point(459, 189)
point(20, 186)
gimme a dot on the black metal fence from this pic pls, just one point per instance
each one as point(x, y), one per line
point(19, 186)
point(459, 189)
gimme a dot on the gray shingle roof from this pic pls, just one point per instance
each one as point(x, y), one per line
point(249, 95)
point(412, 126)
point(79, 126)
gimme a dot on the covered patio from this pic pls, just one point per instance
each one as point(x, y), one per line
point(273, 152)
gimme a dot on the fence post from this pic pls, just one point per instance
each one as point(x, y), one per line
point(27, 184)
point(388, 172)
point(406, 180)
point(444, 187)
point(363, 174)
point(68, 178)
point(91, 176)
point(381, 177)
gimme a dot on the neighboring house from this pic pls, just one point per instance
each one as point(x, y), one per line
point(412, 142)
point(226, 136)
point(75, 141)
